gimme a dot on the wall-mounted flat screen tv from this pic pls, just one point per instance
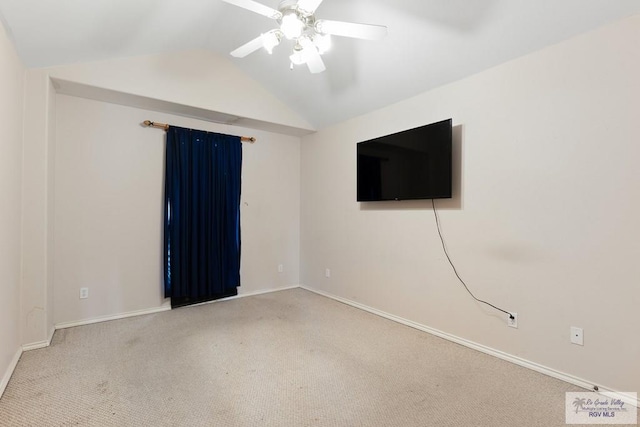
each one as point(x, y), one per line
point(409, 165)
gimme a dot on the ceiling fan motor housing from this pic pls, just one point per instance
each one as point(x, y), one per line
point(294, 22)
point(287, 5)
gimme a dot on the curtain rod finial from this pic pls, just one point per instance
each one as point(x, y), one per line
point(147, 123)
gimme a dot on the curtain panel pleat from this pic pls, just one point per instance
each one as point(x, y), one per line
point(201, 214)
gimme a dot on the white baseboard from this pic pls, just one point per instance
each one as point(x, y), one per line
point(248, 294)
point(65, 325)
point(266, 291)
point(589, 385)
point(36, 345)
point(7, 375)
point(51, 332)
point(40, 344)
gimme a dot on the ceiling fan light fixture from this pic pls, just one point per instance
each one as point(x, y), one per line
point(322, 42)
point(297, 58)
point(305, 41)
point(311, 37)
point(270, 40)
point(306, 44)
point(292, 25)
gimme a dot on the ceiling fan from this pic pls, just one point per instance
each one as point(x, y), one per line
point(311, 36)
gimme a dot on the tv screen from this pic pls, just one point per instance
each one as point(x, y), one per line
point(408, 165)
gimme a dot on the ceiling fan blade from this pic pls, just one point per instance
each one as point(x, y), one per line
point(256, 7)
point(309, 6)
point(350, 29)
point(248, 48)
point(314, 60)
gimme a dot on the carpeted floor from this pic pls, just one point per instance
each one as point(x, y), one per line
point(289, 358)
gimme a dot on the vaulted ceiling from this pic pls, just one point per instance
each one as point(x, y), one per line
point(429, 42)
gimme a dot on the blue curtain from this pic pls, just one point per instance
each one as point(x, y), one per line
point(201, 214)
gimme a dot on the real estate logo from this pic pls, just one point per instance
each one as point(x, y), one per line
point(600, 408)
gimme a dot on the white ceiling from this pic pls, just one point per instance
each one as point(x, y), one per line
point(430, 42)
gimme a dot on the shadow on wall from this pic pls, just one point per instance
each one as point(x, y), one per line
point(457, 172)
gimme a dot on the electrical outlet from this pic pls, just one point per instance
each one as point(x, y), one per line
point(327, 273)
point(513, 323)
point(84, 293)
point(280, 268)
point(577, 335)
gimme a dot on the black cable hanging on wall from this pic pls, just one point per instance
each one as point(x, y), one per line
point(444, 247)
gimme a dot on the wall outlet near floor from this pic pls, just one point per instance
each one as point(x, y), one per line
point(280, 268)
point(513, 323)
point(84, 293)
point(327, 273)
point(577, 335)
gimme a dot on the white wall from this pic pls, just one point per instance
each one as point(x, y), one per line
point(50, 210)
point(187, 83)
point(545, 223)
point(197, 78)
point(11, 88)
point(109, 175)
point(38, 149)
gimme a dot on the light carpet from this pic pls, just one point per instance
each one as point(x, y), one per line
point(289, 358)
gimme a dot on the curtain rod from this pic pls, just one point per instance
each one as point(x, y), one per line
point(165, 126)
